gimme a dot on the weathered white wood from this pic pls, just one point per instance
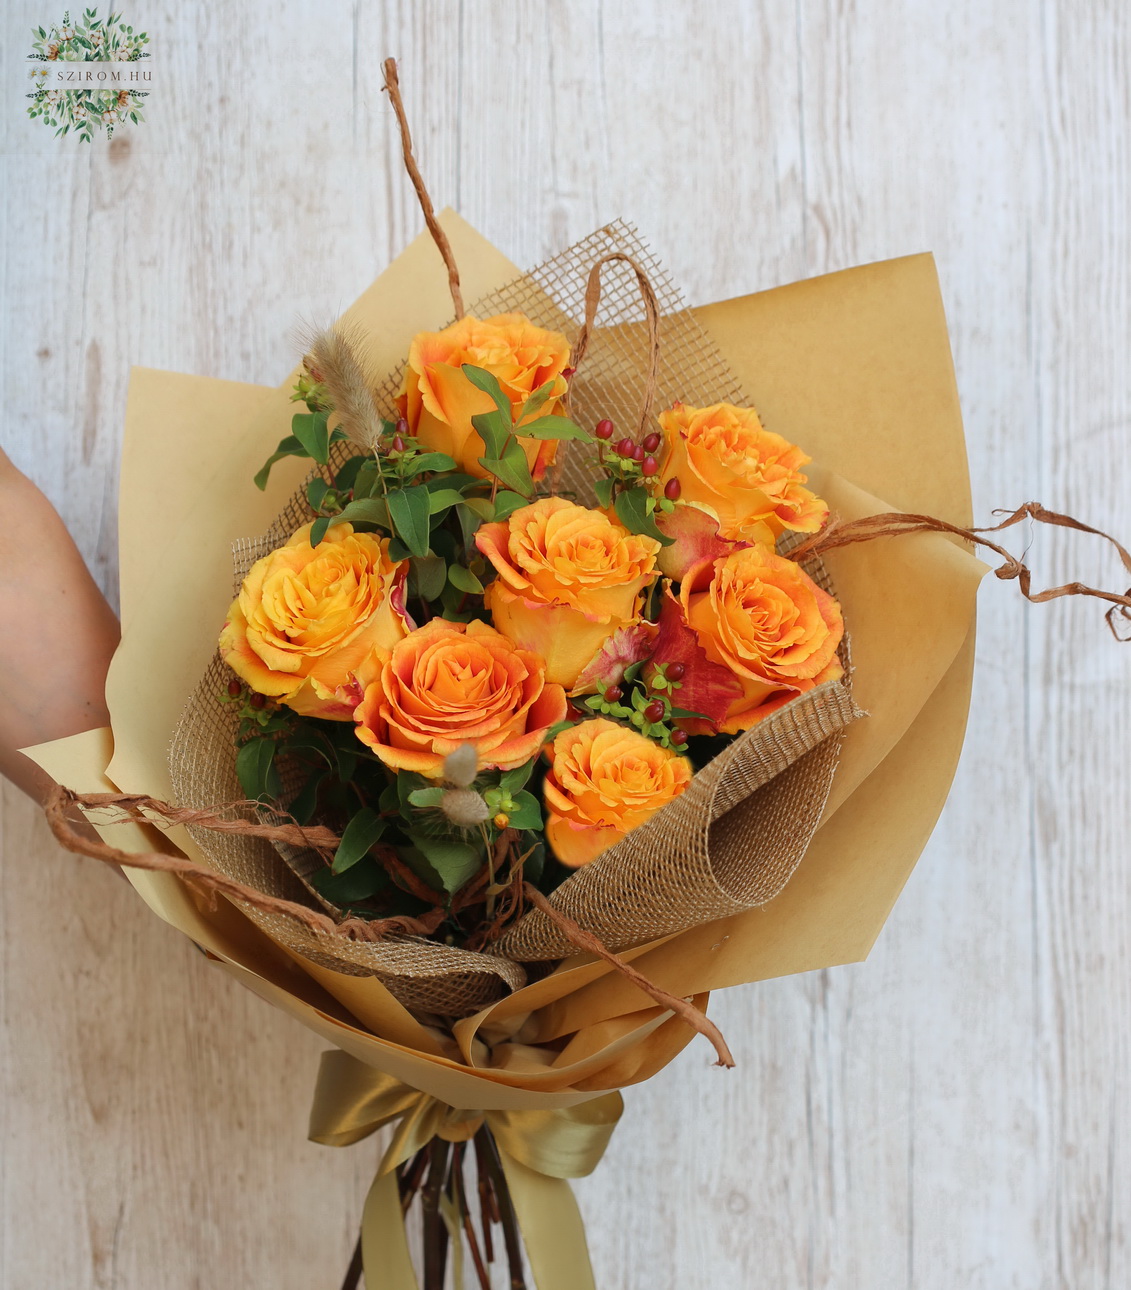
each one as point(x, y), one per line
point(952, 1113)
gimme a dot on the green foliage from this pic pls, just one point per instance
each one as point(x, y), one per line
point(256, 771)
point(410, 510)
point(634, 508)
point(358, 839)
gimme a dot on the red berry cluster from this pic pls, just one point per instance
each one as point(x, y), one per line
point(642, 453)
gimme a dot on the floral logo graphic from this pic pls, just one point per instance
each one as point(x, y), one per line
point(69, 93)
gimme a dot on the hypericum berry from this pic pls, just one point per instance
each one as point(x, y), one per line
point(654, 711)
point(613, 693)
point(501, 820)
point(257, 701)
point(638, 453)
point(234, 689)
point(671, 490)
point(398, 443)
point(648, 466)
point(651, 442)
point(604, 429)
point(679, 737)
point(675, 671)
point(626, 448)
point(401, 427)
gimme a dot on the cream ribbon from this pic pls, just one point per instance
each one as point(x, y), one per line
point(539, 1150)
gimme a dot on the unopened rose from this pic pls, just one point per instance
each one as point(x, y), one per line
point(604, 781)
point(743, 475)
point(766, 622)
point(439, 401)
point(567, 579)
point(451, 684)
point(307, 616)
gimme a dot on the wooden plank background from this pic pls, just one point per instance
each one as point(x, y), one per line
point(955, 1112)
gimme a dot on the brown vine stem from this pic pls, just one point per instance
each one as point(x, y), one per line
point(683, 1008)
point(392, 86)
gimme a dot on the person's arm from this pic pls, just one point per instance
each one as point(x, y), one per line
point(58, 632)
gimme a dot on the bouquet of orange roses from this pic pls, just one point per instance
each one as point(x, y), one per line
point(534, 694)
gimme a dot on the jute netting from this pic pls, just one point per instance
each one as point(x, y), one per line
point(729, 843)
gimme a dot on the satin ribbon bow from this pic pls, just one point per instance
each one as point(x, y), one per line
point(539, 1150)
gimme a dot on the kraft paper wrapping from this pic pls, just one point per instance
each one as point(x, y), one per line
point(855, 367)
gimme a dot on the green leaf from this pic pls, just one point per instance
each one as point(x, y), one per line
point(309, 428)
point(456, 480)
point(316, 492)
point(255, 769)
point(535, 403)
point(319, 527)
point(686, 714)
point(511, 469)
point(358, 838)
point(407, 781)
point(430, 461)
point(288, 447)
point(427, 575)
point(495, 431)
point(440, 499)
point(513, 780)
point(409, 510)
point(368, 481)
point(555, 428)
point(358, 882)
point(455, 863)
point(632, 510)
point(464, 580)
point(527, 813)
point(480, 506)
point(506, 503)
point(426, 796)
point(483, 380)
point(347, 475)
point(604, 490)
point(366, 510)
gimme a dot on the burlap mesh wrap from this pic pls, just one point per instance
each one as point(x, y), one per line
point(728, 844)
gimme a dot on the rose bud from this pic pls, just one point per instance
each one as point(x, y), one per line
point(671, 490)
point(648, 466)
point(604, 429)
point(651, 442)
point(654, 711)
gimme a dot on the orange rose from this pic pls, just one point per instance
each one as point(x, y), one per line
point(307, 616)
point(448, 684)
point(439, 401)
point(605, 780)
point(746, 477)
point(762, 619)
point(568, 578)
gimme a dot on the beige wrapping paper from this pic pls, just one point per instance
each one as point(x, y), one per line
point(855, 367)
